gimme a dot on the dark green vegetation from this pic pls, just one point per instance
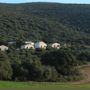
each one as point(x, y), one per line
point(49, 22)
point(43, 65)
point(50, 85)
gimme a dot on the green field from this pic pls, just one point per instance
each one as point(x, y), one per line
point(33, 85)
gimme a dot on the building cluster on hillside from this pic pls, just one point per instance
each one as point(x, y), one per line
point(32, 45)
point(39, 45)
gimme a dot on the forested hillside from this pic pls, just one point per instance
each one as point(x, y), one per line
point(49, 22)
point(67, 24)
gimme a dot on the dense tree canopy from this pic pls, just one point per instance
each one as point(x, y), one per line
point(5, 67)
point(42, 65)
point(50, 22)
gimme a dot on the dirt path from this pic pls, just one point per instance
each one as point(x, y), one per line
point(86, 74)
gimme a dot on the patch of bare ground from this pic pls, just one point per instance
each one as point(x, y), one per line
point(85, 71)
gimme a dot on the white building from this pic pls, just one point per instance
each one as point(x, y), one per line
point(29, 42)
point(41, 45)
point(28, 45)
point(3, 48)
point(56, 45)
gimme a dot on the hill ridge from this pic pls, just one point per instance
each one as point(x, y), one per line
point(45, 21)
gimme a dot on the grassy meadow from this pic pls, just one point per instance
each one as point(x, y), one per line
point(36, 85)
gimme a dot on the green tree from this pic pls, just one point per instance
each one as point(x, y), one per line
point(5, 67)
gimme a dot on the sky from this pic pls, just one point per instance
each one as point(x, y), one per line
point(60, 1)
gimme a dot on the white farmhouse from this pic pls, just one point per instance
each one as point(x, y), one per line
point(29, 42)
point(28, 45)
point(41, 45)
point(55, 45)
point(3, 48)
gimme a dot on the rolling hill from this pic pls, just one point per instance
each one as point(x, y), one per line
point(50, 22)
